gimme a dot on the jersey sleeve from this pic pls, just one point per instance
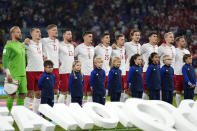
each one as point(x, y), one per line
point(92, 78)
point(5, 56)
point(76, 52)
point(143, 49)
point(162, 72)
point(160, 50)
point(44, 51)
point(131, 71)
point(111, 72)
point(70, 82)
point(148, 74)
point(186, 79)
point(41, 81)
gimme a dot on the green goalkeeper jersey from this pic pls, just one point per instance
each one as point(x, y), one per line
point(14, 58)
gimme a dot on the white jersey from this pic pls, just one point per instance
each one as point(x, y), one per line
point(146, 51)
point(120, 52)
point(85, 55)
point(179, 60)
point(51, 50)
point(34, 57)
point(167, 50)
point(104, 53)
point(131, 49)
point(66, 56)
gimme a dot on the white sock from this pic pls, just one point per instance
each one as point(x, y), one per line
point(122, 97)
point(106, 93)
point(61, 98)
point(36, 104)
point(68, 99)
point(178, 99)
point(144, 96)
point(89, 98)
point(27, 102)
point(55, 98)
point(126, 96)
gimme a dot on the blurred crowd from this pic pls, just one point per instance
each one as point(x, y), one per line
point(98, 16)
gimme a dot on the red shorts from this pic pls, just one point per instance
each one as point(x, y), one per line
point(63, 84)
point(127, 74)
point(86, 87)
point(57, 78)
point(124, 82)
point(178, 82)
point(32, 80)
point(144, 81)
point(106, 82)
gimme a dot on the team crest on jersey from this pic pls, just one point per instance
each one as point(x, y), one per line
point(166, 70)
point(97, 74)
point(154, 69)
point(136, 70)
point(188, 69)
point(115, 73)
point(47, 78)
point(75, 77)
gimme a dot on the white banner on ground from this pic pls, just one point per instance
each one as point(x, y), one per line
point(145, 114)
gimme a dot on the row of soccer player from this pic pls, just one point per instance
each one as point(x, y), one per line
point(62, 55)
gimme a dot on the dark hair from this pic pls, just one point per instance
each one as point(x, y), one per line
point(133, 32)
point(86, 33)
point(178, 38)
point(103, 35)
point(186, 56)
point(118, 36)
point(48, 63)
point(150, 61)
point(152, 33)
point(133, 58)
point(64, 30)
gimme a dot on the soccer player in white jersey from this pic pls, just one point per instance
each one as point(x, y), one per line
point(50, 47)
point(132, 47)
point(104, 52)
point(178, 81)
point(167, 48)
point(66, 56)
point(85, 54)
point(34, 68)
point(119, 51)
point(146, 50)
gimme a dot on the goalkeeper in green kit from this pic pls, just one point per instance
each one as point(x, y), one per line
point(14, 64)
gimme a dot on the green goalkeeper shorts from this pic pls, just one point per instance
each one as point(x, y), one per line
point(22, 84)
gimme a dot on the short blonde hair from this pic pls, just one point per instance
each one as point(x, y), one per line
point(98, 59)
point(13, 29)
point(51, 26)
point(167, 34)
point(165, 56)
point(114, 60)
